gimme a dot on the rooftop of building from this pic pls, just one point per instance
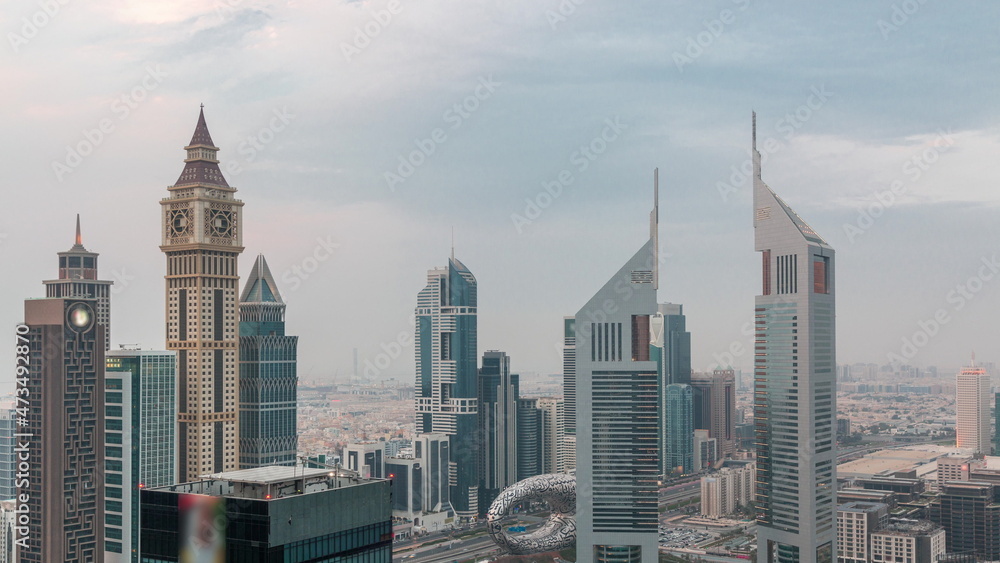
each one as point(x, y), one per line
point(889, 480)
point(907, 527)
point(866, 493)
point(270, 483)
point(861, 506)
point(137, 352)
point(968, 484)
point(921, 458)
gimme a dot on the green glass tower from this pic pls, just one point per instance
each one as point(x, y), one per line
point(268, 377)
point(140, 440)
point(671, 350)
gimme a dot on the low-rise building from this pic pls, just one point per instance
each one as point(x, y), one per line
point(855, 523)
point(908, 541)
point(724, 492)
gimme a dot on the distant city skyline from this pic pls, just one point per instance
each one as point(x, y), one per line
point(886, 163)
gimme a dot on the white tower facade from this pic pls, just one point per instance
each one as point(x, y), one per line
point(795, 396)
point(972, 405)
point(617, 421)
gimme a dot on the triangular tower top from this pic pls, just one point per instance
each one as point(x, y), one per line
point(201, 135)
point(201, 167)
point(768, 205)
point(260, 287)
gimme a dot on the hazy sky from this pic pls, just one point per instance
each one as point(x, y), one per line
point(316, 105)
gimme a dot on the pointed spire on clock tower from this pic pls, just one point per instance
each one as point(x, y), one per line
point(201, 135)
point(201, 167)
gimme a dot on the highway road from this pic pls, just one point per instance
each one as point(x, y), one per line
point(462, 549)
point(679, 493)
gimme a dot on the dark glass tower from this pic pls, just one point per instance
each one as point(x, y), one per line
point(795, 399)
point(268, 380)
point(446, 374)
point(498, 395)
point(529, 438)
point(715, 407)
point(676, 344)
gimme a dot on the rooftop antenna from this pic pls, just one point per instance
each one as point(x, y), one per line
point(654, 228)
point(753, 142)
point(453, 242)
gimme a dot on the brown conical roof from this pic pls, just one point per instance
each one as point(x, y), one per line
point(201, 135)
point(199, 169)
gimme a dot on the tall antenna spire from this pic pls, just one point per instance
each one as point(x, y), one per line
point(79, 237)
point(453, 242)
point(654, 228)
point(753, 144)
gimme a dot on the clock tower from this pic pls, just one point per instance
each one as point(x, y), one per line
point(202, 238)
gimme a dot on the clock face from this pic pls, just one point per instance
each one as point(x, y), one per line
point(178, 223)
point(80, 316)
point(221, 223)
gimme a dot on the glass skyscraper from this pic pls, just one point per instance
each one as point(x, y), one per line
point(268, 377)
point(676, 343)
point(8, 464)
point(678, 436)
point(140, 440)
point(617, 420)
point(498, 426)
point(569, 374)
point(446, 374)
point(671, 349)
point(794, 385)
point(996, 424)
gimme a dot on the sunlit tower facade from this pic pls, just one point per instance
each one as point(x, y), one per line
point(794, 384)
point(202, 239)
point(972, 406)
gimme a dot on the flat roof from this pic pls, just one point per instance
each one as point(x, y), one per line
point(270, 483)
point(886, 462)
point(126, 352)
point(860, 506)
point(270, 475)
